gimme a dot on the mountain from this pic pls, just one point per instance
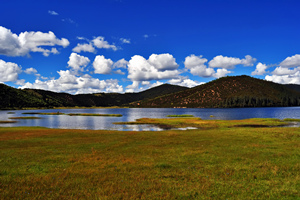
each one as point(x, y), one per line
point(12, 98)
point(236, 91)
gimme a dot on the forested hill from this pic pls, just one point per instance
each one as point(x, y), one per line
point(12, 98)
point(237, 91)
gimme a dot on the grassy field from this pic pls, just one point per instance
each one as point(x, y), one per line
point(220, 160)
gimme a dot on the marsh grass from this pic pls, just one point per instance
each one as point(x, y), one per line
point(220, 162)
point(199, 123)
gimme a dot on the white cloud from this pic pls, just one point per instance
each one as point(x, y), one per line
point(13, 45)
point(221, 72)
point(196, 65)
point(284, 71)
point(102, 65)
point(122, 63)
point(186, 82)
point(288, 72)
point(77, 62)
point(157, 67)
point(52, 12)
point(9, 71)
point(163, 62)
point(100, 43)
point(97, 42)
point(119, 72)
point(289, 62)
point(125, 41)
point(30, 71)
point(230, 62)
point(85, 48)
point(260, 69)
point(68, 82)
point(285, 79)
point(145, 36)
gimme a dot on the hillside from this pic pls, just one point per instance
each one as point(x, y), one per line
point(238, 91)
point(12, 98)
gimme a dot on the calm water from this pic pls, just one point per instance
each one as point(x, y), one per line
point(131, 114)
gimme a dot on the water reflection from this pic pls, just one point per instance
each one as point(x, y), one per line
point(131, 114)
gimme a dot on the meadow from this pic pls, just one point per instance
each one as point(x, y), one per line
point(239, 159)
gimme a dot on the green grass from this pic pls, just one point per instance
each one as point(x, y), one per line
point(10, 112)
point(220, 161)
point(91, 114)
point(180, 115)
point(25, 118)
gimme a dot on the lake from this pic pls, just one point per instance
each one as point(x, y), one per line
point(131, 114)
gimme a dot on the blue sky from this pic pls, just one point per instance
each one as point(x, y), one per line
point(128, 45)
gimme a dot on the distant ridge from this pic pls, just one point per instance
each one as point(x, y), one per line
point(229, 92)
point(12, 98)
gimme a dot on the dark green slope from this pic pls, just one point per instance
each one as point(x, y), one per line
point(238, 91)
point(11, 98)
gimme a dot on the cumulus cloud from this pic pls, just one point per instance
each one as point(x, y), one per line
point(260, 69)
point(157, 67)
point(68, 82)
point(285, 71)
point(288, 72)
point(30, 71)
point(122, 63)
point(196, 65)
point(289, 62)
point(97, 42)
point(163, 62)
point(9, 71)
point(85, 48)
point(100, 43)
point(52, 12)
point(119, 72)
point(184, 81)
point(221, 73)
point(78, 62)
point(26, 42)
point(102, 65)
point(230, 62)
point(284, 79)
